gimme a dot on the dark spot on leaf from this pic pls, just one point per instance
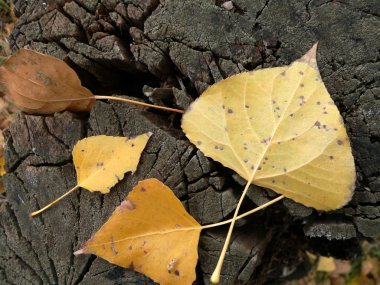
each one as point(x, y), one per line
point(128, 204)
point(331, 157)
point(266, 158)
point(317, 123)
point(335, 129)
point(131, 266)
point(230, 111)
point(199, 142)
point(130, 247)
point(99, 164)
point(259, 168)
point(301, 72)
point(277, 108)
point(177, 226)
point(245, 160)
point(143, 189)
point(282, 73)
point(132, 145)
point(325, 112)
point(318, 103)
point(274, 101)
point(82, 150)
point(291, 115)
point(273, 166)
point(224, 107)
point(252, 167)
point(302, 85)
point(247, 106)
point(176, 273)
point(145, 252)
point(339, 142)
point(331, 103)
point(285, 170)
point(273, 181)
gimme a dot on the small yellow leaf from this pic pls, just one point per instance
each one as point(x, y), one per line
point(326, 264)
point(101, 161)
point(2, 165)
point(42, 84)
point(150, 232)
point(277, 128)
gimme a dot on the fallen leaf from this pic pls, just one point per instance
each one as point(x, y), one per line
point(101, 161)
point(42, 84)
point(326, 264)
point(150, 232)
point(277, 128)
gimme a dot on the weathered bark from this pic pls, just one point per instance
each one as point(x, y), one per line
point(182, 47)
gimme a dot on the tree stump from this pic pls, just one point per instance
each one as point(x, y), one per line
point(168, 52)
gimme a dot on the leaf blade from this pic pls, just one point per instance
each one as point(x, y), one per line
point(42, 84)
point(150, 235)
point(101, 161)
point(272, 122)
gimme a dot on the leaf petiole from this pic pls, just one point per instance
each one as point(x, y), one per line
point(275, 200)
point(52, 203)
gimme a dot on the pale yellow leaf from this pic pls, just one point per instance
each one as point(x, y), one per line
point(326, 264)
point(279, 128)
point(101, 161)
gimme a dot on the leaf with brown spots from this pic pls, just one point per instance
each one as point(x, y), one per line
point(277, 128)
point(42, 84)
point(284, 132)
point(150, 232)
point(101, 161)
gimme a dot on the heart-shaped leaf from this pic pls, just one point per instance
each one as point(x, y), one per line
point(150, 232)
point(277, 128)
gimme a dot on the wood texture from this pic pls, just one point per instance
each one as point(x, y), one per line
point(182, 47)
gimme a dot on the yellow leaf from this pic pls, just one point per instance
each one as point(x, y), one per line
point(2, 166)
point(277, 128)
point(326, 264)
point(150, 232)
point(42, 84)
point(101, 161)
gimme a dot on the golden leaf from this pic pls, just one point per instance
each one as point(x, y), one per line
point(277, 128)
point(150, 232)
point(101, 161)
point(42, 84)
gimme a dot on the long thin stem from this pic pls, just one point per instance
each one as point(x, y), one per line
point(138, 103)
point(215, 277)
point(52, 203)
point(275, 200)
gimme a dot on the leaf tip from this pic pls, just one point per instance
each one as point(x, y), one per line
point(311, 56)
point(79, 252)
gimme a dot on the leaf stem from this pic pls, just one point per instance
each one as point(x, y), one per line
point(52, 203)
point(275, 200)
point(139, 103)
point(215, 277)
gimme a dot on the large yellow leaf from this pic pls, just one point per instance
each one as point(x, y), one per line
point(150, 232)
point(42, 84)
point(101, 161)
point(277, 128)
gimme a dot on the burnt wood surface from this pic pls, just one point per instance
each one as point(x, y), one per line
point(168, 52)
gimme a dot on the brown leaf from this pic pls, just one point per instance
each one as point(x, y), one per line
point(42, 84)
